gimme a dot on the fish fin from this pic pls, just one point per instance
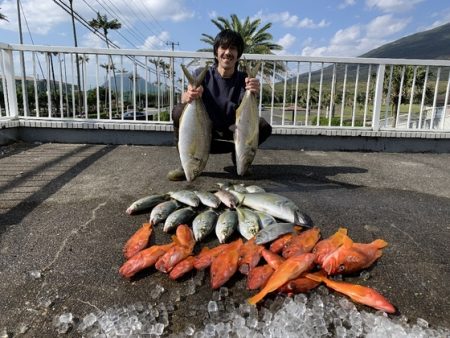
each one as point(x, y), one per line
point(316, 277)
point(256, 298)
point(342, 231)
point(347, 242)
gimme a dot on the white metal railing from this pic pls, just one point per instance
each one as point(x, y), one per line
point(296, 92)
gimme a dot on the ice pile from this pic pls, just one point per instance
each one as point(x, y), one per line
point(317, 314)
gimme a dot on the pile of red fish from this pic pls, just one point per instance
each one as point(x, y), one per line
point(293, 263)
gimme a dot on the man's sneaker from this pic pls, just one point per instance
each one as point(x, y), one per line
point(176, 175)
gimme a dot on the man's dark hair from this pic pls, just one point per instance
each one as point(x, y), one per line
point(227, 38)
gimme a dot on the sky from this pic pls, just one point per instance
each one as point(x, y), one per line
point(309, 28)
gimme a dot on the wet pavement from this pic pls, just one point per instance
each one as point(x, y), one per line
point(63, 225)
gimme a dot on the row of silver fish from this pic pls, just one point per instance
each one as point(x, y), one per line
point(248, 209)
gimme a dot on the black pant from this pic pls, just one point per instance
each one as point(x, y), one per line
point(222, 141)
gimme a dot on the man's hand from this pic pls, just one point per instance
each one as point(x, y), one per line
point(191, 94)
point(252, 84)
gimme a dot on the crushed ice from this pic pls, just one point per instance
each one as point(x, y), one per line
point(319, 313)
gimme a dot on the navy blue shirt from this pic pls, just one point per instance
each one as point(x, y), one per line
point(222, 96)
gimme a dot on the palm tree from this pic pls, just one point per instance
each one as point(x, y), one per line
point(102, 23)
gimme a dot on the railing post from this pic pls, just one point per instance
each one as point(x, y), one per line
point(378, 97)
point(8, 62)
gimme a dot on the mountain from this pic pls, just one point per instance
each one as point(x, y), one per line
point(431, 44)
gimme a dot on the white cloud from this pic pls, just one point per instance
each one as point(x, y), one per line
point(212, 15)
point(286, 42)
point(347, 3)
point(156, 42)
point(442, 16)
point(288, 20)
point(358, 39)
point(41, 16)
point(393, 5)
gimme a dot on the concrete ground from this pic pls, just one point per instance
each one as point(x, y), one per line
point(63, 224)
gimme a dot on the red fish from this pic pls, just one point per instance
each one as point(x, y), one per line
point(290, 269)
point(326, 246)
point(258, 276)
point(138, 241)
point(225, 265)
point(272, 258)
point(182, 268)
point(352, 257)
point(184, 244)
point(278, 244)
point(206, 256)
point(301, 284)
point(143, 259)
point(250, 254)
point(360, 294)
point(302, 243)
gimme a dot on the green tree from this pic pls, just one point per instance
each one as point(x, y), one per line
point(3, 17)
point(102, 23)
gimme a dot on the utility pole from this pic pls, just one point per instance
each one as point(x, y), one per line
point(76, 57)
point(172, 74)
point(22, 61)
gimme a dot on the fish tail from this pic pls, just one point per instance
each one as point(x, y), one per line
point(256, 298)
point(316, 277)
point(194, 81)
point(379, 243)
point(252, 71)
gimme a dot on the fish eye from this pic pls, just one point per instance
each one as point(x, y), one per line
point(341, 268)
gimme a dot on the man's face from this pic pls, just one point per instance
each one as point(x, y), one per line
point(227, 57)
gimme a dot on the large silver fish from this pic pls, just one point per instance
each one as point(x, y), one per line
point(180, 216)
point(226, 224)
point(276, 205)
point(203, 224)
point(146, 203)
point(194, 138)
point(208, 198)
point(185, 196)
point(246, 133)
point(248, 223)
point(162, 211)
point(273, 231)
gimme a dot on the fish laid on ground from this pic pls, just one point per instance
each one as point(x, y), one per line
point(246, 132)
point(351, 257)
point(258, 276)
point(181, 268)
point(180, 216)
point(360, 294)
point(276, 205)
point(162, 211)
point(248, 223)
point(254, 188)
point(204, 223)
point(207, 255)
point(326, 246)
point(227, 198)
point(272, 258)
point(143, 259)
point(290, 269)
point(301, 243)
point(184, 244)
point(224, 266)
point(301, 284)
point(226, 225)
point(278, 244)
point(194, 137)
point(145, 203)
point(208, 198)
point(273, 231)
point(138, 241)
point(265, 219)
point(186, 196)
point(249, 256)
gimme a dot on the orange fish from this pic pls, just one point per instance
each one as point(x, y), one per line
point(182, 268)
point(258, 276)
point(184, 244)
point(351, 257)
point(143, 259)
point(301, 284)
point(272, 258)
point(138, 241)
point(360, 294)
point(278, 244)
point(206, 256)
point(302, 243)
point(225, 265)
point(290, 269)
point(249, 256)
point(324, 247)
